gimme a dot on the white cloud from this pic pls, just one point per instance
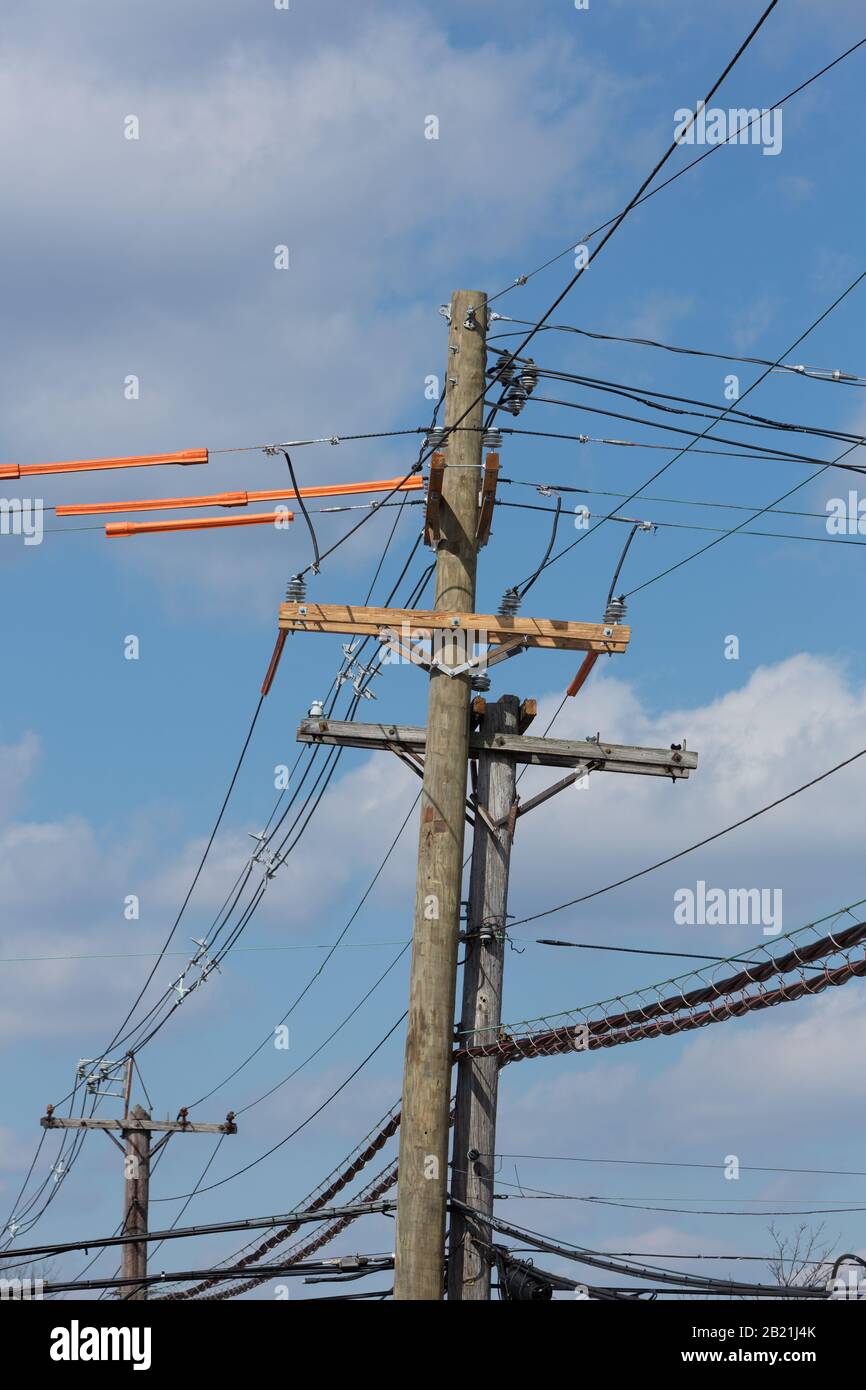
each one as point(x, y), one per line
point(785, 724)
point(159, 257)
point(17, 761)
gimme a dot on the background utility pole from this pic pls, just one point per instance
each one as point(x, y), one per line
point(136, 1183)
point(478, 1077)
point(136, 1129)
point(427, 1067)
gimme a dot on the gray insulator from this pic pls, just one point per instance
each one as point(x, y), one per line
point(480, 682)
point(504, 368)
point(492, 439)
point(510, 605)
point(436, 438)
point(515, 400)
point(529, 377)
point(296, 589)
point(615, 611)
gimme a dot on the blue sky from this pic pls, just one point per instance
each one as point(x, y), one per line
point(155, 258)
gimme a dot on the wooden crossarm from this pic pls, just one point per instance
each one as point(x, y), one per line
point(548, 752)
point(482, 627)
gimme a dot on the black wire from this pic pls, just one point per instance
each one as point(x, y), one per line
point(643, 951)
point(330, 767)
point(644, 396)
point(686, 448)
point(711, 149)
point(846, 379)
point(783, 455)
point(642, 444)
point(685, 526)
point(420, 585)
point(523, 589)
point(667, 1163)
point(631, 535)
point(244, 876)
point(582, 1255)
point(306, 514)
point(732, 531)
point(196, 876)
point(312, 1116)
point(698, 845)
point(620, 218)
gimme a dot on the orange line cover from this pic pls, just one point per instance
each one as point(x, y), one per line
point(139, 528)
point(240, 499)
point(28, 470)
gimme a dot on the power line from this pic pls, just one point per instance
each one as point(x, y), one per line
point(79, 1138)
point(197, 874)
point(767, 453)
point(612, 228)
point(720, 999)
point(252, 1223)
point(238, 950)
point(617, 221)
point(582, 1255)
point(752, 456)
point(370, 1264)
point(735, 529)
point(812, 373)
point(654, 401)
point(685, 449)
point(544, 488)
point(303, 1124)
point(635, 951)
point(721, 531)
point(698, 845)
point(528, 1193)
point(521, 280)
point(669, 1163)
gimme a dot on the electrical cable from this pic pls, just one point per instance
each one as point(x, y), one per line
point(686, 448)
point(698, 845)
point(711, 149)
point(617, 221)
point(307, 1120)
point(735, 529)
point(812, 373)
point(306, 514)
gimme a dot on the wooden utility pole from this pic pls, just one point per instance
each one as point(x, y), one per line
point(478, 1077)
point(457, 523)
point(136, 1184)
point(424, 1128)
point(136, 1128)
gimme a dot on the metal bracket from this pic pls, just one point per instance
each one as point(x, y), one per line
point(488, 499)
point(432, 533)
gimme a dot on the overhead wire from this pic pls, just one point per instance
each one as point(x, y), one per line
point(521, 280)
point(686, 448)
point(699, 844)
point(734, 530)
point(810, 373)
point(618, 220)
